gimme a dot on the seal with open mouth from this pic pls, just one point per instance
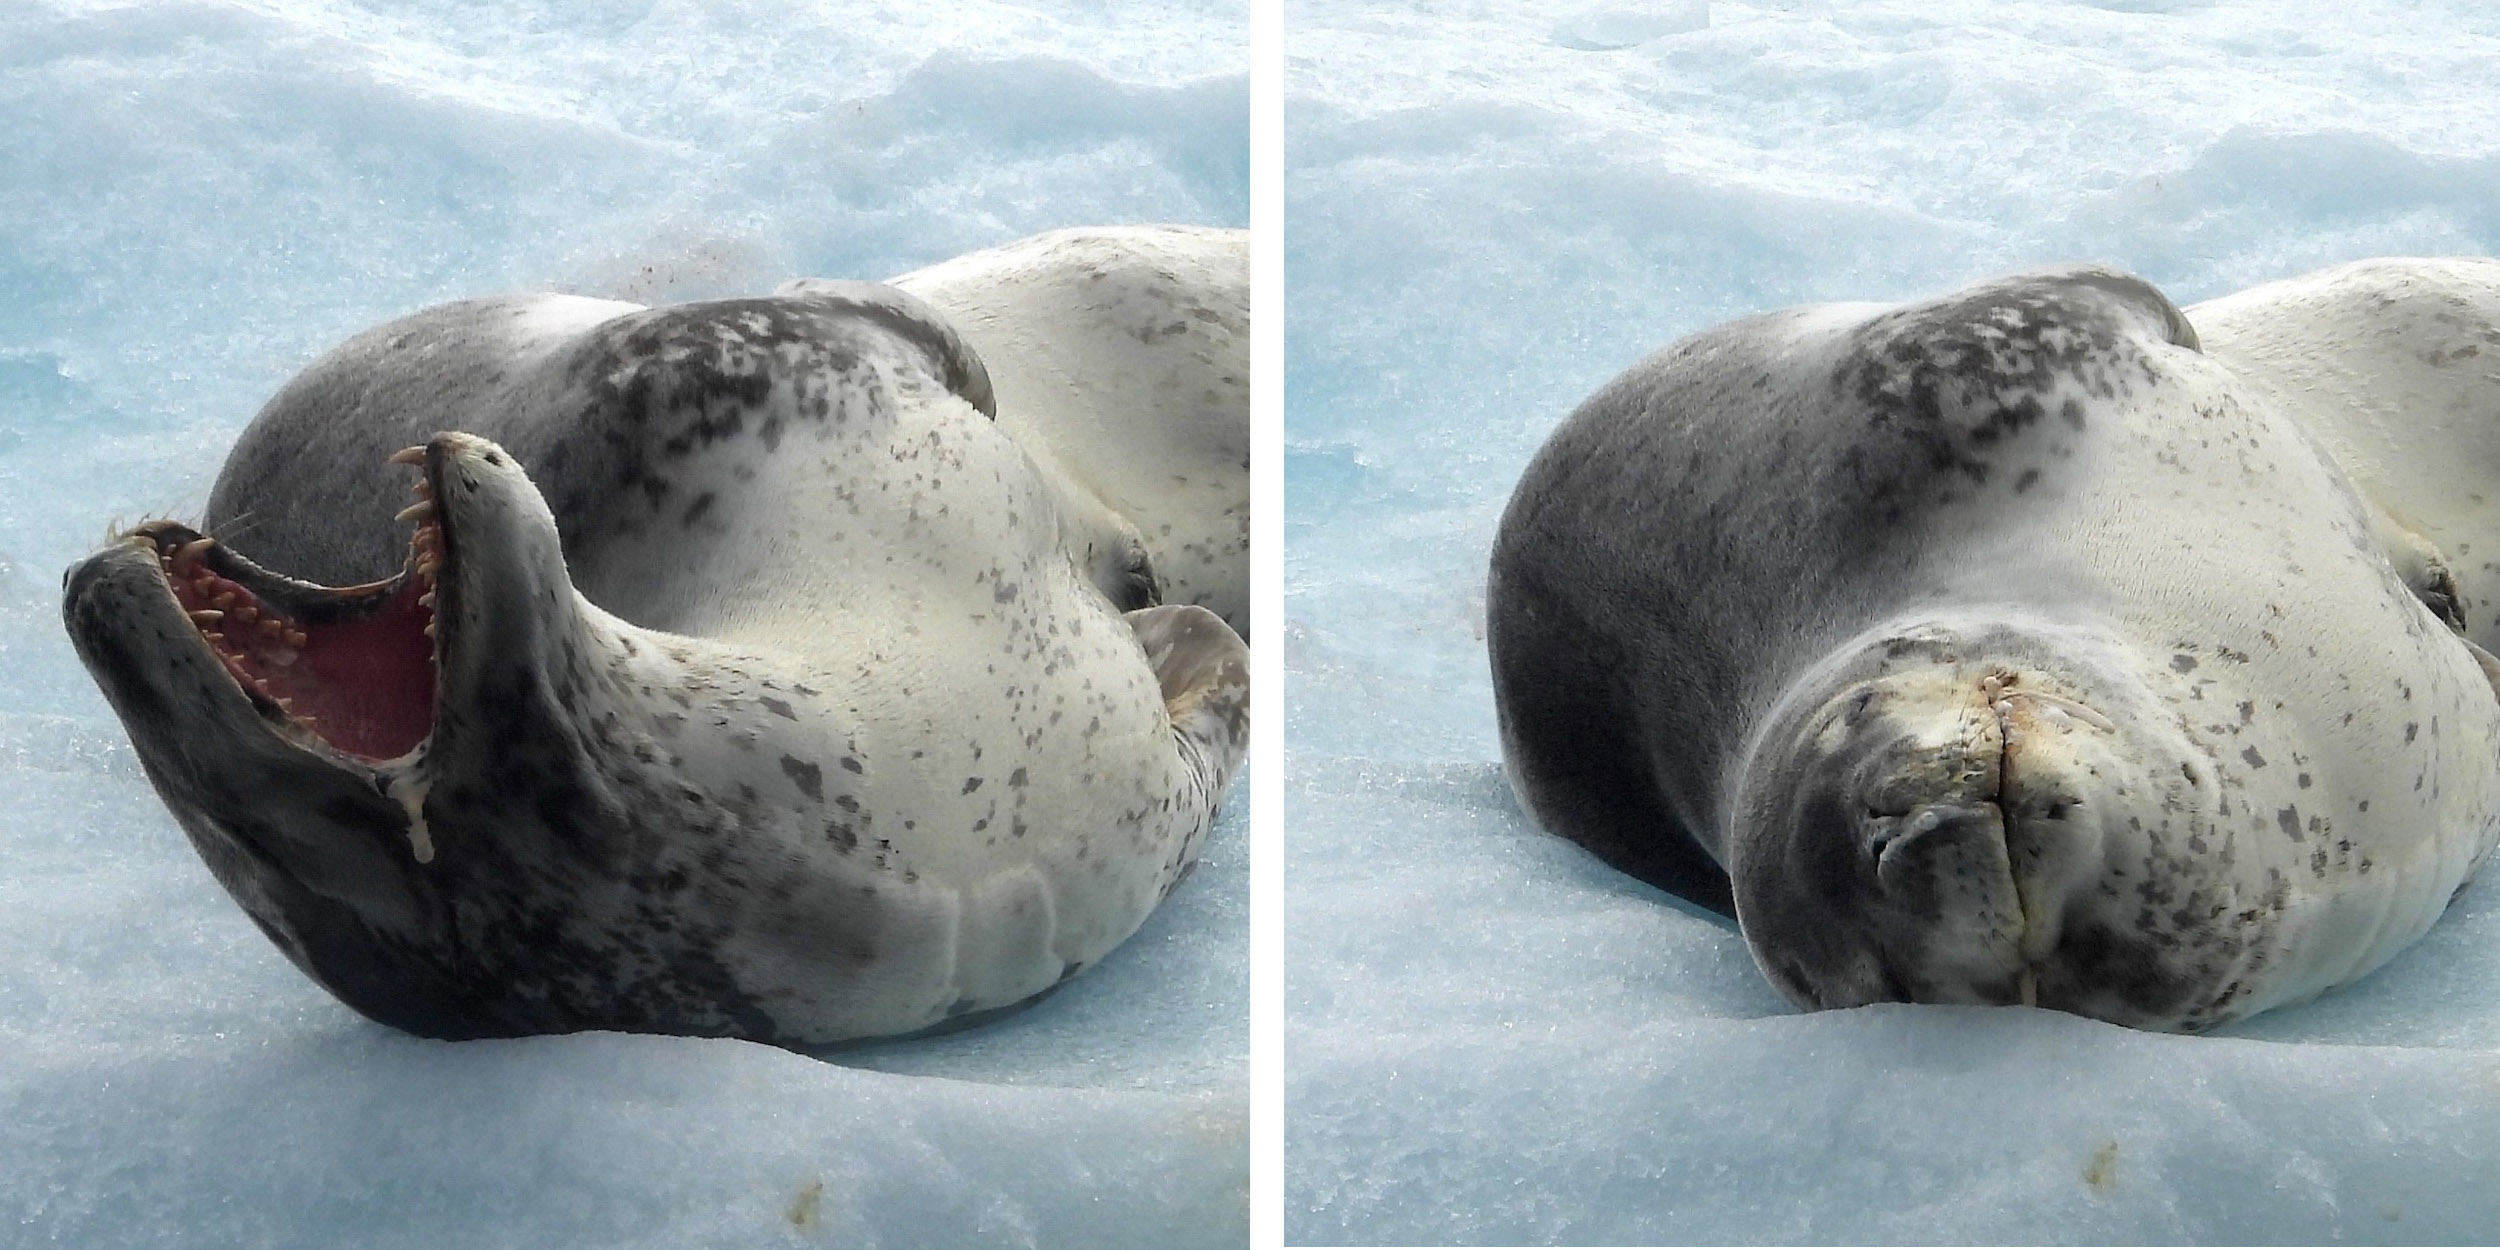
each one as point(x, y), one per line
point(740, 676)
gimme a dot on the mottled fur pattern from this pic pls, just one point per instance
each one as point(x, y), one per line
point(1155, 320)
point(2029, 643)
point(770, 702)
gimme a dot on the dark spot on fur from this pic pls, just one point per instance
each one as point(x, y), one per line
point(809, 778)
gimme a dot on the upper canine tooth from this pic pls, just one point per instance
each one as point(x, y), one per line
point(189, 553)
point(408, 455)
point(417, 511)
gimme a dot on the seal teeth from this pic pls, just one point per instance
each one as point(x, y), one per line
point(408, 455)
point(207, 619)
point(189, 553)
point(421, 510)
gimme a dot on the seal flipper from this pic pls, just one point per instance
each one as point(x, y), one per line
point(2422, 566)
point(2425, 572)
point(1204, 670)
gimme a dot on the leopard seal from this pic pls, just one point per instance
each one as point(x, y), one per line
point(737, 679)
point(1155, 440)
point(2035, 643)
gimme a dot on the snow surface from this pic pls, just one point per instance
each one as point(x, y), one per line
point(1492, 206)
point(197, 197)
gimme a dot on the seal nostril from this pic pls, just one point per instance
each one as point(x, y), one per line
point(1939, 846)
point(1901, 830)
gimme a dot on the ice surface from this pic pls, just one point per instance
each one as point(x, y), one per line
point(1495, 205)
point(197, 197)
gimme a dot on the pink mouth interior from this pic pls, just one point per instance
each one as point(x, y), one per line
point(364, 685)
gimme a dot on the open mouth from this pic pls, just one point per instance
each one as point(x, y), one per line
point(352, 668)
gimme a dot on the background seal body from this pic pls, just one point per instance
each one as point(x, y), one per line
point(765, 699)
point(1122, 361)
point(2015, 646)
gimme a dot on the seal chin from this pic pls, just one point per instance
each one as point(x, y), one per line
point(1918, 836)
